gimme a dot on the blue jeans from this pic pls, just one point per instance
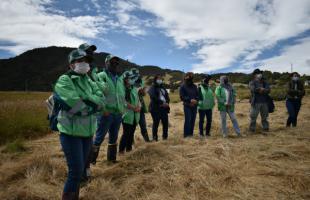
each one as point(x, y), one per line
point(293, 107)
point(190, 118)
point(76, 150)
point(257, 108)
point(202, 114)
point(233, 119)
point(110, 123)
point(161, 115)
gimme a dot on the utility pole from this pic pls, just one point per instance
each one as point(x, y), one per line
point(291, 67)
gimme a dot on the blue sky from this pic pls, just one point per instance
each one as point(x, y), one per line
point(205, 36)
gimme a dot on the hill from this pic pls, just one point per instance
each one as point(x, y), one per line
point(37, 70)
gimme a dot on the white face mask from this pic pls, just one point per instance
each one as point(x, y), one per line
point(295, 78)
point(131, 81)
point(259, 76)
point(81, 68)
point(159, 81)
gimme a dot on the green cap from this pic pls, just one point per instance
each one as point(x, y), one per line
point(128, 75)
point(86, 47)
point(135, 71)
point(76, 54)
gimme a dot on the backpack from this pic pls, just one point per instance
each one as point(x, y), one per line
point(54, 105)
point(270, 103)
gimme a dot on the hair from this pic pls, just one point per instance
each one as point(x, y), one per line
point(188, 74)
point(294, 73)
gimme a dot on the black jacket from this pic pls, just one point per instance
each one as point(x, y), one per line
point(156, 102)
point(188, 92)
point(292, 93)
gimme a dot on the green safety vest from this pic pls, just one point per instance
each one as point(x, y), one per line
point(131, 117)
point(73, 89)
point(221, 98)
point(114, 92)
point(207, 101)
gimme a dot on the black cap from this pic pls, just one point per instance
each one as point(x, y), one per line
point(207, 76)
point(257, 71)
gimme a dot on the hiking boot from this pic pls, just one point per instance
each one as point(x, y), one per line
point(94, 154)
point(71, 195)
point(111, 153)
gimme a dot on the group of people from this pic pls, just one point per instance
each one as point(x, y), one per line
point(96, 101)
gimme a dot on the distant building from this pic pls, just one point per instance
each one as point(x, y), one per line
point(307, 82)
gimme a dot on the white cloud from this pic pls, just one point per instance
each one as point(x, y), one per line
point(96, 5)
point(297, 55)
point(28, 24)
point(127, 21)
point(227, 31)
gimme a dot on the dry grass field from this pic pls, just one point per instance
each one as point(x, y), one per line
point(276, 166)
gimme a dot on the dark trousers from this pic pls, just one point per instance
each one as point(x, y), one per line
point(127, 137)
point(142, 124)
point(202, 115)
point(189, 123)
point(160, 115)
point(76, 150)
point(293, 107)
point(111, 124)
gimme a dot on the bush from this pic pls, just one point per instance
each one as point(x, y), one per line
point(22, 115)
point(15, 146)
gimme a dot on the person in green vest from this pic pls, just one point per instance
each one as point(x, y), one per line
point(132, 115)
point(226, 99)
point(205, 105)
point(112, 84)
point(77, 125)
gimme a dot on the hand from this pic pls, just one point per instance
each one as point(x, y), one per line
point(106, 113)
point(137, 109)
point(261, 90)
point(130, 107)
point(193, 101)
point(164, 105)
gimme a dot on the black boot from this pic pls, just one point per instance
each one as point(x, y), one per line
point(111, 153)
point(145, 137)
point(94, 154)
point(70, 196)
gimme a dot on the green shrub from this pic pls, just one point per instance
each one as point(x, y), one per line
point(15, 146)
point(22, 115)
